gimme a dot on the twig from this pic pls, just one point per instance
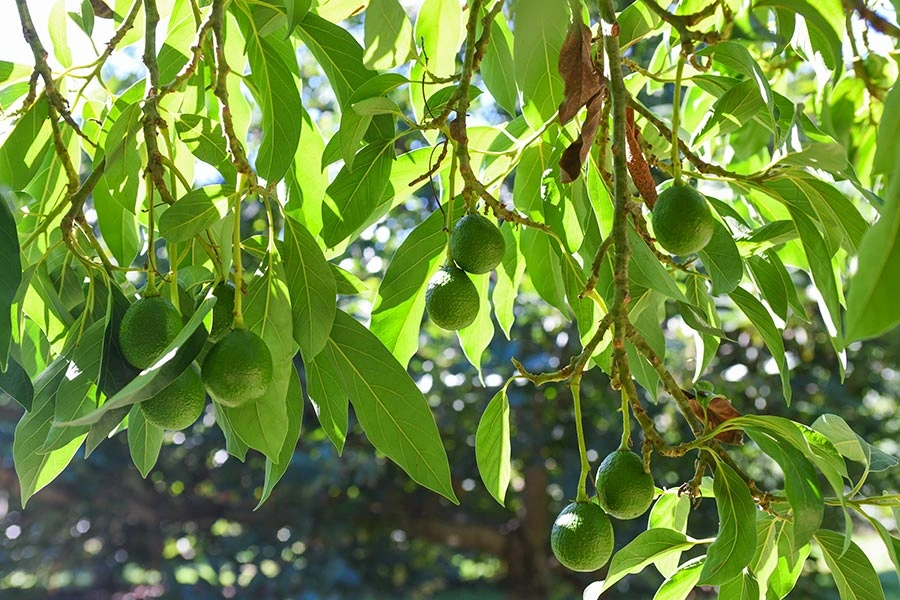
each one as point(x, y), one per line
point(152, 120)
point(878, 23)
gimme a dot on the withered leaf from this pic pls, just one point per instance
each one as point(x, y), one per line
point(574, 156)
point(582, 81)
point(717, 412)
point(637, 164)
point(101, 9)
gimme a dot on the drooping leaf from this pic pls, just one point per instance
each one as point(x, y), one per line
point(540, 30)
point(276, 470)
point(735, 543)
point(492, 447)
point(853, 573)
point(15, 384)
point(763, 322)
point(439, 29)
point(311, 286)
point(682, 582)
point(391, 409)
point(144, 440)
point(722, 260)
point(388, 35)
point(651, 545)
point(10, 277)
point(194, 212)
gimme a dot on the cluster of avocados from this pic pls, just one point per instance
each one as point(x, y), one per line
point(477, 247)
point(582, 536)
point(236, 371)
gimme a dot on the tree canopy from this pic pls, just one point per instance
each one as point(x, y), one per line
point(660, 178)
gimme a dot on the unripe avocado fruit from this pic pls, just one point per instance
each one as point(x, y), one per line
point(682, 220)
point(451, 299)
point(624, 489)
point(476, 244)
point(237, 369)
point(179, 404)
point(148, 326)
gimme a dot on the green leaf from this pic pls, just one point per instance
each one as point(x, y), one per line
point(540, 30)
point(475, 338)
point(770, 283)
point(84, 351)
point(635, 22)
point(272, 82)
point(854, 575)
point(648, 547)
point(306, 181)
point(510, 273)
point(736, 57)
point(10, 277)
point(742, 587)
point(337, 52)
point(312, 288)
point(122, 175)
point(206, 140)
point(329, 400)
point(498, 77)
point(263, 424)
point(544, 268)
point(493, 448)
point(16, 385)
point(144, 441)
point(682, 583)
point(734, 108)
point(824, 38)
point(26, 147)
point(295, 11)
point(57, 24)
point(647, 272)
point(800, 484)
point(735, 543)
point(823, 276)
point(391, 409)
point(762, 320)
point(439, 29)
point(872, 307)
point(194, 212)
point(400, 301)
point(102, 429)
point(722, 261)
point(354, 195)
point(852, 445)
point(275, 470)
point(117, 225)
point(670, 511)
point(34, 469)
point(886, 154)
point(388, 35)
point(233, 444)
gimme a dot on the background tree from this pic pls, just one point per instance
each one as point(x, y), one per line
point(229, 158)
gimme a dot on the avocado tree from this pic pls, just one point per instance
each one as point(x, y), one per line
point(629, 164)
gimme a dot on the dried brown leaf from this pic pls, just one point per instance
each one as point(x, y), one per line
point(637, 164)
point(718, 411)
point(574, 156)
point(101, 9)
point(582, 81)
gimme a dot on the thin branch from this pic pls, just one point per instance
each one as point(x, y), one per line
point(876, 21)
point(152, 120)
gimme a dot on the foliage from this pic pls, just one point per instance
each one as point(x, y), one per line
point(788, 138)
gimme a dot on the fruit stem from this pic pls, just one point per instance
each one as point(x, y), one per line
point(676, 116)
point(236, 252)
point(582, 495)
point(448, 224)
point(626, 422)
point(151, 242)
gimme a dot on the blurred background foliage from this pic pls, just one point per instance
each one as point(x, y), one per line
point(356, 527)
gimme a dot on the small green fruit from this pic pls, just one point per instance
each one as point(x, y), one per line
point(682, 221)
point(476, 244)
point(582, 537)
point(624, 489)
point(178, 404)
point(238, 369)
point(148, 326)
point(451, 299)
